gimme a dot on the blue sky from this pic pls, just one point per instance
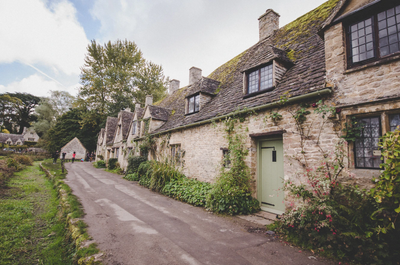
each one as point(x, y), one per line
point(43, 42)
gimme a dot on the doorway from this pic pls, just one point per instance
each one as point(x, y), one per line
point(270, 175)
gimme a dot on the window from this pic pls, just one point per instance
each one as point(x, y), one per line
point(374, 37)
point(117, 153)
point(176, 154)
point(226, 158)
point(133, 127)
point(367, 143)
point(31, 139)
point(260, 79)
point(194, 104)
point(394, 121)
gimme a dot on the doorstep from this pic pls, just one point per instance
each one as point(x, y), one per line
point(261, 218)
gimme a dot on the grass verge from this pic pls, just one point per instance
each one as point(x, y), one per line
point(31, 230)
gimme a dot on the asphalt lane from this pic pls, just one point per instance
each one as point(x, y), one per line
point(133, 225)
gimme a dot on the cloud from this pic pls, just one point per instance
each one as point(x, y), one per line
point(33, 33)
point(37, 85)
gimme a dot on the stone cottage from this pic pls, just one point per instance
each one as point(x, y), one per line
point(74, 146)
point(343, 54)
point(28, 135)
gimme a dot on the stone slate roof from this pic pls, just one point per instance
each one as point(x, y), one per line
point(111, 126)
point(204, 85)
point(140, 113)
point(298, 43)
point(127, 118)
point(264, 54)
point(159, 113)
point(14, 137)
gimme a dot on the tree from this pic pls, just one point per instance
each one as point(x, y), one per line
point(18, 112)
point(46, 117)
point(116, 76)
point(61, 102)
point(69, 126)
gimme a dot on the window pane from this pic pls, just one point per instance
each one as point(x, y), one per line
point(253, 82)
point(367, 143)
point(391, 21)
point(266, 77)
point(394, 48)
point(393, 38)
point(384, 50)
point(191, 104)
point(382, 33)
point(390, 12)
point(197, 103)
point(382, 24)
point(362, 44)
point(394, 121)
point(381, 16)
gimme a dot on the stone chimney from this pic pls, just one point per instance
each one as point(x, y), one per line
point(194, 75)
point(128, 109)
point(268, 23)
point(149, 100)
point(173, 86)
point(137, 106)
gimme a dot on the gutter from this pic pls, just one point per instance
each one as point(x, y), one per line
point(323, 92)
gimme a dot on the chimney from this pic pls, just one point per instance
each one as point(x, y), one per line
point(173, 86)
point(128, 109)
point(149, 100)
point(137, 106)
point(268, 23)
point(194, 75)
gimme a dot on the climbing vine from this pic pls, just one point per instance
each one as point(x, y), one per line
point(231, 193)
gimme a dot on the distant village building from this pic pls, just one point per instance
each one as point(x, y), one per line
point(344, 53)
point(28, 135)
point(74, 146)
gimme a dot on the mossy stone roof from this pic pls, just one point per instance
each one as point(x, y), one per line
point(297, 44)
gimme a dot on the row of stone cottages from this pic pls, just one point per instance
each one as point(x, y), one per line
point(345, 53)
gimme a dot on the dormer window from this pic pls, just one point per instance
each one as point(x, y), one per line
point(375, 36)
point(260, 79)
point(134, 128)
point(194, 104)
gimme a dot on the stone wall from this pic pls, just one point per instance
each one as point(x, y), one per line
point(372, 89)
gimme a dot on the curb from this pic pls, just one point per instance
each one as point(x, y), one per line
point(81, 240)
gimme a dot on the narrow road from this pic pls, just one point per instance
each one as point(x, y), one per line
point(134, 225)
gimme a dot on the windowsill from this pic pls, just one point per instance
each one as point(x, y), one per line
point(258, 92)
point(385, 60)
point(187, 114)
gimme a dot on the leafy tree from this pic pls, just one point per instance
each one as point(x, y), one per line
point(8, 106)
point(68, 126)
point(46, 117)
point(18, 111)
point(61, 102)
point(115, 76)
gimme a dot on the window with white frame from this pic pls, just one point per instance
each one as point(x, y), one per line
point(193, 104)
point(260, 79)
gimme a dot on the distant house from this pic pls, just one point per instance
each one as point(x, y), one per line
point(344, 53)
point(74, 146)
point(28, 135)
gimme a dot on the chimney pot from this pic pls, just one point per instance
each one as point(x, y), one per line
point(173, 86)
point(149, 100)
point(194, 75)
point(268, 23)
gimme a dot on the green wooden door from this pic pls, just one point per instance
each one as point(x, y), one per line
point(271, 175)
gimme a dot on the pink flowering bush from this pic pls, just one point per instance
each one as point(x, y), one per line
point(331, 216)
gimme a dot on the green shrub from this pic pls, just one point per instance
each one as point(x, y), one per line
point(187, 190)
point(144, 173)
point(134, 163)
point(231, 193)
point(12, 163)
point(161, 174)
point(24, 160)
point(112, 163)
point(132, 177)
point(99, 164)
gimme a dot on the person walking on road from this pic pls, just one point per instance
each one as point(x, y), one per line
point(73, 157)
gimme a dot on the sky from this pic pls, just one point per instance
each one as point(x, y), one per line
point(43, 42)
